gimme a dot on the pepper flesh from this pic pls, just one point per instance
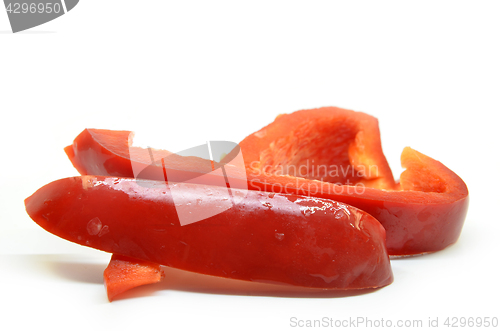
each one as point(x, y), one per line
point(274, 238)
point(328, 144)
point(425, 212)
point(124, 273)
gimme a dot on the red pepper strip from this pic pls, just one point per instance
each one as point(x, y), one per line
point(121, 274)
point(109, 153)
point(273, 238)
point(124, 273)
point(105, 152)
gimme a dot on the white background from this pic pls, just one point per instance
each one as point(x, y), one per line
point(180, 73)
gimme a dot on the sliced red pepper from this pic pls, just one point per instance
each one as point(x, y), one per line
point(110, 153)
point(275, 238)
point(424, 213)
point(124, 273)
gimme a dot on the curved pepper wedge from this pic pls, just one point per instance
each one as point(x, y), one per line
point(328, 152)
point(264, 237)
point(424, 213)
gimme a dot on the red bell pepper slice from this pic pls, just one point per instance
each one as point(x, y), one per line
point(423, 213)
point(109, 153)
point(275, 238)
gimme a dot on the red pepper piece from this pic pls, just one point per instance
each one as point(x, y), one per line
point(102, 152)
point(425, 213)
point(109, 153)
point(124, 273)
point(287, 239)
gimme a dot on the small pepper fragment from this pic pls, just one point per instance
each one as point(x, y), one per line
point(275, 238)
point(124, 273)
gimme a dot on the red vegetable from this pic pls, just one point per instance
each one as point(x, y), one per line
point(424, 213)
point(310, 153)
point(124, 273)
point(109, 153)
point(287, 239)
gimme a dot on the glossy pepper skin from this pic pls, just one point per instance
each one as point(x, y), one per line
point(427, 215)
point(423, 213)
point(274, 238)
point(110, 153)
